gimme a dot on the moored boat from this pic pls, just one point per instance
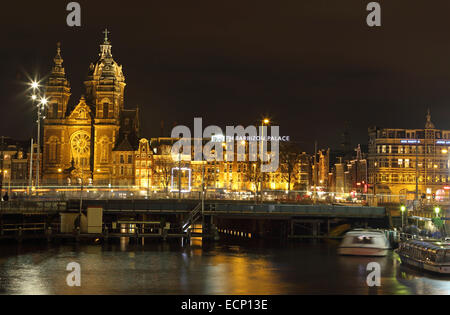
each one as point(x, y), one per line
point(431, 256)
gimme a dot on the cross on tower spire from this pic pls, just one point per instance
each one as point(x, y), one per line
point(106, 32)
point(105, 48)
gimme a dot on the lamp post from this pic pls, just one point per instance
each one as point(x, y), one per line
point(34, 96)
point(30, 179)
point(179, 175)
point(437, 210)
point(402, 209)
point(148, 179)
point(265, 122)
point(203, 188)
point(41, 106)
point(81, 197)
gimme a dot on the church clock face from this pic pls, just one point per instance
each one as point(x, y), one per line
point(80, 143)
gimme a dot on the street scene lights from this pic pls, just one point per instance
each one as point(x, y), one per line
point(265, 122)
point(403, 209)
point(41, 107)
point(437, 210)
point(42, 103)
point(34, 85)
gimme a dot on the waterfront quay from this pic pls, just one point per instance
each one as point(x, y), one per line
point(163, 219)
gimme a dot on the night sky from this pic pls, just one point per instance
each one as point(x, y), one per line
point(309, 65)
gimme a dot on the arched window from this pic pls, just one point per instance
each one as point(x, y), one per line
point(104, 150)
point(52, 150)
point(105, 110)
point(53, 110)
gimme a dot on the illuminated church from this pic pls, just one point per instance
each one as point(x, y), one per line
point(96, 138)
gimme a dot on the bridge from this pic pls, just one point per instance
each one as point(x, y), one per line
point(183, 218)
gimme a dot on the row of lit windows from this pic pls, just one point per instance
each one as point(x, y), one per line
point(394, 149)
point(419, 134)
point(124, 171)
point(407, 163)
point(143, 172)
point(129, 158)
point(395, 178)
point(143, 163)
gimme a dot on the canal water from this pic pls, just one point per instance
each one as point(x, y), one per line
point(227, 267)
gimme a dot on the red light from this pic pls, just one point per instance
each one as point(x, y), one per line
point(447, 187)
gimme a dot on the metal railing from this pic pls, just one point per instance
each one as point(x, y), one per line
point(29, 206)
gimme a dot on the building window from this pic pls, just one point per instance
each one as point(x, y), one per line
point(54, 110)
point(105, 110)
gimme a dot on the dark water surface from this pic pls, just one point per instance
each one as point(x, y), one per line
point(227, 267)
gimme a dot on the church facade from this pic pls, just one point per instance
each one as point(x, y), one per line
point(85, 142)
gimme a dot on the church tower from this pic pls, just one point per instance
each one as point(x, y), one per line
point(55, 145)
point(82, 142)
point(105, 85)
point(58, 88)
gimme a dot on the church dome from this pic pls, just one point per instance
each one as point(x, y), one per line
point(105, 67)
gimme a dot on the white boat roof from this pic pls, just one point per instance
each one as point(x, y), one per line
point(365, 231)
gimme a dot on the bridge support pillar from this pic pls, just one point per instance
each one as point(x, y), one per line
point(19, 235)
point(48, 233)
point(106, 234)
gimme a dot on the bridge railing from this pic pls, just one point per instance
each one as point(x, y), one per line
point(32, 206)
point(299, 209)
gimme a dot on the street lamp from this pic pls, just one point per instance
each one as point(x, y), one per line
point(402, 209)
point(34, 85)
point(437, 210)
point(40, 107)
point(265, 122)
point(41, 103)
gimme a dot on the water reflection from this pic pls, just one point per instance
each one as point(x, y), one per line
point(228, 267)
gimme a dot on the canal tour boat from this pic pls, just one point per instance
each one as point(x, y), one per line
point(431, 256)
point(364, 242)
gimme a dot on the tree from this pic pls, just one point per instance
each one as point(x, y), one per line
point(254, 175)
point(289, 162)
point(162, 166)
